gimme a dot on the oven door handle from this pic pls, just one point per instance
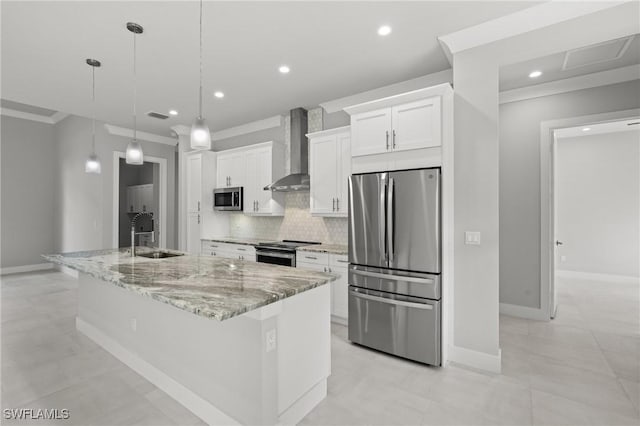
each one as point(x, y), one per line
point(275, 254)
point(390, 301)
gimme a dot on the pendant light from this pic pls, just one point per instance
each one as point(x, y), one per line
point(200, 136)
point(92, 164)
point(134, 153)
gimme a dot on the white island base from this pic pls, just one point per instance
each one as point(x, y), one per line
point(267, 366)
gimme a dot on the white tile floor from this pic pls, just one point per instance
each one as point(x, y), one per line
point(580, 369)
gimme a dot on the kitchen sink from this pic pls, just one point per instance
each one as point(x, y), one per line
point(159, 255)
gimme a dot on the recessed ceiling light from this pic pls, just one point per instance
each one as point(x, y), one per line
point(173, 112)
point(535, 74)
point(586, 129)
point(384, 30)
point(218, 95)
point(284, 69)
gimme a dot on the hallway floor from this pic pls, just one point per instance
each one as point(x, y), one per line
point(580, 369)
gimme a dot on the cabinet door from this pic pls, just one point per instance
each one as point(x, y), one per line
point(194, 182)
point(416, 125)
point(131, 202)
point(193, 233)
point(371, 132)
point(146, 199)
point(343, 162)
point(324, 172)
point(223, 170)
point(252, 162)
point(339, 293)
point(262, 178)
point(237, 169)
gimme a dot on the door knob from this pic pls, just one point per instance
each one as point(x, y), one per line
point(559, 243)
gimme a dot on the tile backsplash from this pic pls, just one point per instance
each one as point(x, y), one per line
point(297, 224)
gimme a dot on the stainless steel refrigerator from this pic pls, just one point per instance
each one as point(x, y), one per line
point(395, 263)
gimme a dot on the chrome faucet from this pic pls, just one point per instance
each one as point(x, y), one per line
point(134, 233)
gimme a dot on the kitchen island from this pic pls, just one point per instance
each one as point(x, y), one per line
point(235, 342)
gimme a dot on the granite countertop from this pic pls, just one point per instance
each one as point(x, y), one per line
point(211, 287)
point(236, 240)
point(326, 248)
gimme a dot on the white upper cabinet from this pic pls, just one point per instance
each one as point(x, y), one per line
point(140, 198)
point(329, 169)
point(371, 132)
point(194, 182)
point(416, 125)
point(231, 169)
point(254, 167)
point(401, 127)
point(200, 181)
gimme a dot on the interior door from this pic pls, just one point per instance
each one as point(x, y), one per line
point(413, 222)
point(323, 175)
point(367, 233)
point(556, 243)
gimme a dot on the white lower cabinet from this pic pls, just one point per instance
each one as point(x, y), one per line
point(193, 233)
point(336, 264)
point(231, 251)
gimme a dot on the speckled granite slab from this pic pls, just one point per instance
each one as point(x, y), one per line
point(211, 287)
point(327, 248)
point(233, 240)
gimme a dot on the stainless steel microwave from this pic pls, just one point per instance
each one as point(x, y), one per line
point(227, 199)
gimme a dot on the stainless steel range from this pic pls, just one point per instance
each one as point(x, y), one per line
point(280, 252)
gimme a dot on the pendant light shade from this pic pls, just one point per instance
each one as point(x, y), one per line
point(200, 135)
point(134, 153)
point(92, 165)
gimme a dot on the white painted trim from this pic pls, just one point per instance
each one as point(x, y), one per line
point(144, 136)
point(523, 312)
point(8, 112)
point(68, 271)
point(523, 21)
point(59, 116)
point(303, 406)
point(162, 190)
point(181, 129)
point(26, 268)
point(587, 81)
point(424, 93)
point(440, 77)
point(243, 129)
point(190, 400)
point(598, 277)
point(599, 128)
point(474, 359)
point(547, 129)
point(329, 132)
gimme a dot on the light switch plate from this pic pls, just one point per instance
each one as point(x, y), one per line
point(270, 338)
point(472, 237)
point(134, 324)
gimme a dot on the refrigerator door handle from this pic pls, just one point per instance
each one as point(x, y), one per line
point(391, 301)
point(390, 221)
point(383, 216)
point(393, 277)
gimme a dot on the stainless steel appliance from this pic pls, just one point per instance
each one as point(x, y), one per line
point(395, 263)
point(280, 252)
point(228, 199)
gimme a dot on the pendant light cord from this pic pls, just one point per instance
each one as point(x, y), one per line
point(135, 89)
point(93, 100)
point(200, 113)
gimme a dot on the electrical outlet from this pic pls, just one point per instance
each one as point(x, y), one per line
point(134, 324)
point(270, 338)
point(472, 237)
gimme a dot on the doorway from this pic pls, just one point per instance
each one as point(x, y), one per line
point(593, 198)
point(139, 189)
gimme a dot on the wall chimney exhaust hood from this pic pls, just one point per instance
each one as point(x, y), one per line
point(298, 179)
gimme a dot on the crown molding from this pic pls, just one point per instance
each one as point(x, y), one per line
point(445, 76)
point(428, 92)
point(523, 21)
point(329, 132)
point(243, 129)
point(53, 119)
point(587, 81)
point(145, 136)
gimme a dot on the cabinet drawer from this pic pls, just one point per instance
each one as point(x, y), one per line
point(312, 266)
point(339, 260)
point(312, 257)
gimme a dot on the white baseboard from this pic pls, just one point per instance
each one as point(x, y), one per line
point(598, 277)
point(199, 406)
point(66, 270)
point(303, 406)
point(474, 359)
point(339, 320)
point(526, 312)
point(26, 268)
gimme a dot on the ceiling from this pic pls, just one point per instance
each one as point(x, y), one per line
point(586, 60)
point(333, 50)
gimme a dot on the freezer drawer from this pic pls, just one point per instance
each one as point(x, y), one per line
point(392, 281)
point(404, 326)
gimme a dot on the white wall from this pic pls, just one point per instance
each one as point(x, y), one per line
point(28, 191)
point(598, 203)
point(520, 178)
point(84, 216)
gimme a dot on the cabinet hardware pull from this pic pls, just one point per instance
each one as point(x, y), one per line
point(394, 139)
point(387, 139)
point(198, 205)
point(257, 206)
point(337, 204)
point(310, 257)
point(333, 203)
point(342, 261)
point(324, 269)
point(198, 219)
